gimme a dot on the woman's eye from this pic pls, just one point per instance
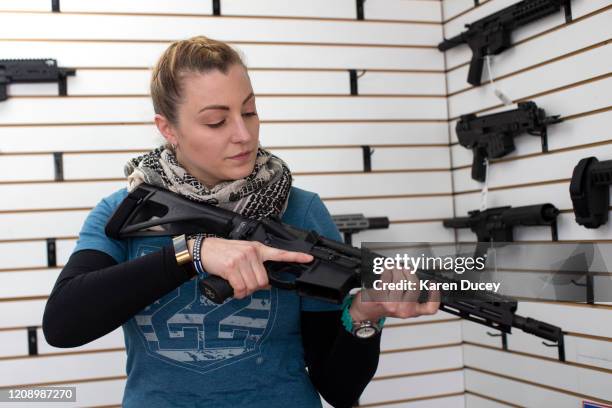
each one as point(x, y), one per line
point(219, 124)
point(216, 125)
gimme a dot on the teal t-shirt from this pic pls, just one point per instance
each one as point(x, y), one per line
point(185, 351)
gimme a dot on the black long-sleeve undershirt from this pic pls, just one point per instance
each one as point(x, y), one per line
point(93, 287)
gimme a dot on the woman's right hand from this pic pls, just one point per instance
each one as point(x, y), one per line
point(241, 262)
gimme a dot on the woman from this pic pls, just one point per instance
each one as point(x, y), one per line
point(182, 349)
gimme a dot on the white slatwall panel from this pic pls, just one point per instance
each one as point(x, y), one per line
point(563, 68)
point(136, 82)
point(552, 374)
point(299, 72)
point(162, 28)
point(139, 109)
point(144, 55)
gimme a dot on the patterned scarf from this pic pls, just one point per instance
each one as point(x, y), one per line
point(262, 193)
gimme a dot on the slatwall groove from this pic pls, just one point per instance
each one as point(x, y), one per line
point(409, 400)
point(168, 42)
point(389, 377)
point(296, 147)
point(544, 93)
point(313, 173)
point(296, 121)
point(493, 399)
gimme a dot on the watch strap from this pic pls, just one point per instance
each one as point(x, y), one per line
point(181, 251)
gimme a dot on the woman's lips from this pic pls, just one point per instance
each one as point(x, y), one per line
point(242, 156)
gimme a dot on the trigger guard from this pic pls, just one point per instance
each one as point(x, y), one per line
point(278, 267)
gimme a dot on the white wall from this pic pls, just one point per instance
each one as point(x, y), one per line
point(565, 69)
point(299, 69)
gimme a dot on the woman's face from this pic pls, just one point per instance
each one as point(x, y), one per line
point(217, 121)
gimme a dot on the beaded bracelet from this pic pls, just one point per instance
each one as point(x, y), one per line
point(197, 256)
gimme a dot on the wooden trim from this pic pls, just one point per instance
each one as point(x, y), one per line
point(417, 374)
point(493, 399)
point(572, 304)
point(272, 43)
point(294, 147)
point(260, 95)
point(428, 397)
point(31, 269)
point(24, 298)
point(305, 69)
point(286, 121)
point(588, 336)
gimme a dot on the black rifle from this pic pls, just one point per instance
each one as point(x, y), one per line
point(590, 191)
point(350, 224)
point(32, 70)
point(335, 270)
point(492, 34)
point(497, 224)
point(492, 136)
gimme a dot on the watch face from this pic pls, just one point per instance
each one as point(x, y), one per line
point(365, 332)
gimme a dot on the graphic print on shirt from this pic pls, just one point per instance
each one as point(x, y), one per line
point(186, 329)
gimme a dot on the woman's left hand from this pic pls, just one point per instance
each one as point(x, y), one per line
point(393, 303)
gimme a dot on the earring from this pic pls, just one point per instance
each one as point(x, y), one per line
point(173, 147)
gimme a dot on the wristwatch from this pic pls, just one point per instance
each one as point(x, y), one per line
point(181, 251)
point(364, 329)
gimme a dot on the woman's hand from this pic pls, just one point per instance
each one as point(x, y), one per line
point(393, 303)
point(241, 262)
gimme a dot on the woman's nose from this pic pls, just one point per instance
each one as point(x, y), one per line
point(241, 133)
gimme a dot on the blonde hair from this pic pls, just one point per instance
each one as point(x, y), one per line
point(198, 54)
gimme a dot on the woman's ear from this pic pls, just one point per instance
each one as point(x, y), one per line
point(166, 129)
